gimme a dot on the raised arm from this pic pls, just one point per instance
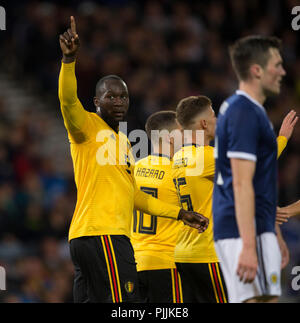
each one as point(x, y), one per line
point(286, 131)
point(72, 110)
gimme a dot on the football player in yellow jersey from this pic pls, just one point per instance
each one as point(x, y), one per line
point(154, 238)
point(105, 269)
point(193, 172)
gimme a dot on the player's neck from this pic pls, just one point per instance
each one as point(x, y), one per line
point(110, 122)
point(161, 150)
point(254, 91)
point(195, 139)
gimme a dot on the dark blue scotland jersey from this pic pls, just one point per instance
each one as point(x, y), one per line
point(244, 131)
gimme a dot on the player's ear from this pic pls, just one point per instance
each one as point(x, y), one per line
point(203, 124)
point(256, 71)
point(96, 102)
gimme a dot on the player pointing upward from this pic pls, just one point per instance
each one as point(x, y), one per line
point(101, 251)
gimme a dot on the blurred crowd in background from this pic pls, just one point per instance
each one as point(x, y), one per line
point(164, 50)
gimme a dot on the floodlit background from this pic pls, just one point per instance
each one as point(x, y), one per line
point(164, 50)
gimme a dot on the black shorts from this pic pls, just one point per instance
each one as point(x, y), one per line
point(202, 283)
point(105, 269)
point(160, 286)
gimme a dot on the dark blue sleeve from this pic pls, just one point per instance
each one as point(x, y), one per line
point(243, 132)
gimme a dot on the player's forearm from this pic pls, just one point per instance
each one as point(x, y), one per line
point(281, 144)
point(245, 211)
point(151, 205)
point(67, 85)
point(73, 112)
point(278, 232)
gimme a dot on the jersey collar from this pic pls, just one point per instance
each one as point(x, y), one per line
point(160, 155)
point(192, 144)
point(241, 92)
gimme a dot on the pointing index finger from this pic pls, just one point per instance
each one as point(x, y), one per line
point(73, 25)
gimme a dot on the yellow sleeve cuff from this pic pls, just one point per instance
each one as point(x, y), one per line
point(281, 144)
point(68, 65)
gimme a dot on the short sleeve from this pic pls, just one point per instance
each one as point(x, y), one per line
point(243, 133)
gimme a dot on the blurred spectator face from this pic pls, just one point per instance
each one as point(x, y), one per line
point(273, 73)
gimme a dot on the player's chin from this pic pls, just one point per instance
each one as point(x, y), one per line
point(277, 89)
point(273, 91)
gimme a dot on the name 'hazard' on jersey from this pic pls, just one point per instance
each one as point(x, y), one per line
point(244, 131)
point(154, 238)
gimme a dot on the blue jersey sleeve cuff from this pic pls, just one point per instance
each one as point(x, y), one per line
point(241, 155)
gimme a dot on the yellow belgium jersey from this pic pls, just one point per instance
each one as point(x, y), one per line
point(193, 171)
point(154, 238)
point(103, 170)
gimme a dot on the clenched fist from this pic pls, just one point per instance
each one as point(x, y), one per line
point(194, 220)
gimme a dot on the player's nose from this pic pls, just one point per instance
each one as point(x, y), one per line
point(283, 72)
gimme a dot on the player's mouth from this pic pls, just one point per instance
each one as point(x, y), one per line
point(279, 82)
point(119, 113)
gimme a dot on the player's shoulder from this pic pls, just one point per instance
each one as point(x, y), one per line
point(142, 162)
point(94, 116)
point(154, 160)
point(240, 104)
point(207, 153)
point(96, 122)
point(188, 154)
point(208, 150)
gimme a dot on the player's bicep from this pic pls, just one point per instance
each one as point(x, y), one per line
point(242, 171)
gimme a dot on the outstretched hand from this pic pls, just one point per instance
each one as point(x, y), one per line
point(69, 41)
point(282, 215)
point(288, 124)
point(194, 220)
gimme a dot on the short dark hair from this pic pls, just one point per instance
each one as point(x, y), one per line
point(188, 108)
point(104, 79)
point(251, 50)
point(160, 120)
